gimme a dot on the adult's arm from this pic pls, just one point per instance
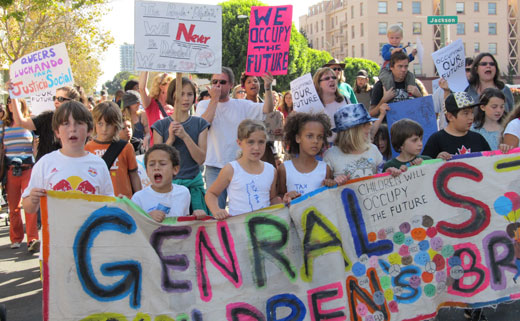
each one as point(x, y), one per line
point(25, 122)
point(143, 90)
point(268, 97)
point(386, 96)
point(135, 180)
point(511, 140)
point(510, 101)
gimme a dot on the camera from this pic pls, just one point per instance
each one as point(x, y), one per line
point(16, 163)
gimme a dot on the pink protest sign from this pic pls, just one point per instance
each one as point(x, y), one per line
point(269, 36)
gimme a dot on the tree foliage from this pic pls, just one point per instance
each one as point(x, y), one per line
point(353, 65)
point(118, 82)
point(29, 25)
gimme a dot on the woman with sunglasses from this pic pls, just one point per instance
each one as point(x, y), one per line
point(484, 73)
point(154, 102)
point(325, 82)
point(344, 88)
point(18, 151)
point(42, 124)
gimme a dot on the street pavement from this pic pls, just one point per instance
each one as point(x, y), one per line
point(21, 291)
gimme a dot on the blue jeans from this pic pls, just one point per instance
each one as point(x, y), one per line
point(210, 175)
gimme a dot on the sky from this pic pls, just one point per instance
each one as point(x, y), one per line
point(123, 29)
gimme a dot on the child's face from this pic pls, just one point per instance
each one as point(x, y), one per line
point(366, 130)
point(253, 147)
point(187, 98)
point(310, 138)
point(461, 123)
point(73, 135)
point(494, 108)
point(412, 145)
point(382, 144)
point(394, 38)
point(126, 132)
point(160, 170)
point(104, 131)
point(252, 86)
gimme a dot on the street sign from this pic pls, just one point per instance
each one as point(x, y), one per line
point(443, 20)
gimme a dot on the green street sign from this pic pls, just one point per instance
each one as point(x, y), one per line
point(443, 20)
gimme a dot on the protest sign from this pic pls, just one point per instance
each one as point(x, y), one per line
point(268, 42)
point(41, 72)
point(304, 95)
point(141, 171)
point(378, 248)
point(419, 109)
point(178, 37)
point(420, 50)
point(450, 62)
point(42, 102)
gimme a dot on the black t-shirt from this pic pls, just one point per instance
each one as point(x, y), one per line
point(400, 93)
point(47, 141)
point(441, 141)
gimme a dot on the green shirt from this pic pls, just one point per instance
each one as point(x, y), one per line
point(394, 162)
point(347, 91)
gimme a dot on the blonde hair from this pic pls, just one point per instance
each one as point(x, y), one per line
point(163, 78)
point(352, 140)
point(395, 29)
point(249, 126)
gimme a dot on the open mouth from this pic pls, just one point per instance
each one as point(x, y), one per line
point(157, 178)
point(73, 138)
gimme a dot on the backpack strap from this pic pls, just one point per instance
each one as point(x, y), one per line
point(161, 108)
point(113, 151)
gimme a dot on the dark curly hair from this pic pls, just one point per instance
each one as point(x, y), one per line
point(294, 125)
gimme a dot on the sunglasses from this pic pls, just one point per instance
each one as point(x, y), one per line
point(219, 81)
point(329, 78)
point(485, 63)
point(468, 69)
point(60, 99)
point(241, 92)
point(337, 69)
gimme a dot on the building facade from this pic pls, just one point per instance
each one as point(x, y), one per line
point(126, 53)
point(357, 28)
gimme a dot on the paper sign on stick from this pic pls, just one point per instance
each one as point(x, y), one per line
point(420, 50)
point(450, 62)
point(269, 37)
point(304, 95)
point(178, 37)
point(40, 72)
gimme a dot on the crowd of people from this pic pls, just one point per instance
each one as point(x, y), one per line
point(230, 149)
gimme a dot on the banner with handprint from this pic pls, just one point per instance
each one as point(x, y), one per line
point(379, 248)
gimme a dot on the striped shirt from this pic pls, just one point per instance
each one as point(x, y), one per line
point(18, 141)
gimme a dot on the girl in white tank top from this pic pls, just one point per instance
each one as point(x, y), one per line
point(250, 182)
point(305, 135)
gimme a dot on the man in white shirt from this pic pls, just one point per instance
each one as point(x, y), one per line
point(224, 114)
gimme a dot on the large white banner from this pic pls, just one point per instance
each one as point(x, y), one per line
point(41, 72)
point(380, 248)
point(450, 62)
point(178, 37)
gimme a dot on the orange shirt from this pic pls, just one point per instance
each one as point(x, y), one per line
point(123, 165)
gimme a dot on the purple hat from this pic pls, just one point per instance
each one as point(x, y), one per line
point(351, 115)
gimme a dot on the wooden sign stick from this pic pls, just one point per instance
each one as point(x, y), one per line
point(178, 97)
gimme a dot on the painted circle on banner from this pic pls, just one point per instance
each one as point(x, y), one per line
point(429, 290)
point(404, 227)
point(394, 258)
point(440, 276)
point(422, 258)
point(447, 251)
point(389, 230)
point(379, 316)
point(457, 272)
point(398, 290)
point(416, 221)
point(373, 261)
point(379, 298)
point(389, 295)
point(394, 270)
point(424, 245)
point(415, 281)
point(418, 234)
point(427, 221)
point(430, 267)
point(431, 231)
point(372, 237)
point(503, 205)
point(439, 261)
point(359, 269)
point(369, 318)
point(205, 58)
point(398, 238)
point(441, 287)
point(381, 234)
point(361, 309)
point(407, 260)
point(515, 198)
point(408, 241)
point(436, 243)
point(385, 282)
point(363, 258)
point(454, 261)
point(414, 248)
point(364, 282)
point(393, 306)
point(427, 277)
point(404, 251)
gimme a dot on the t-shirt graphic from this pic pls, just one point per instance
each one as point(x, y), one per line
point(463, 150)
point(160, 207)
point(400, 95)
point(252, 193)
point(360, 168)
point(74, 183)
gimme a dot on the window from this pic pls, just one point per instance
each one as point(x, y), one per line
point(361, 9)
point(476, 7)
point(417, 28)
point(353, 51)
point(492, 48)
point(332, 22)
point(492, 28)
point(361, 30)
point(353, 32)
point(417, 69)
point(399, 6)
point(476, 47)
point(461, 28)
point(322, 43)
point(382, 28)
point(459, 6)
point(321, 25)
point(382, 7)
point(416, 7)
point(362, 50)
point(476, 27)
point(317, 26)
point(352, 12)
point(492, 8)
point(311, 29)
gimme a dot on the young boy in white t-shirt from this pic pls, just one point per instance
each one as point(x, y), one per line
point(70, 168)
point(163, 198)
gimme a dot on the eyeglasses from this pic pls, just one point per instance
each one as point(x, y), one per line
point(468, 69)
point(217, 81)
point(485, 63)
point(60, 99)
point(336, 69)
point(329, 78)
point(241, 92)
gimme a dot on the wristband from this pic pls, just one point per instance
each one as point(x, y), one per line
point(267, 89)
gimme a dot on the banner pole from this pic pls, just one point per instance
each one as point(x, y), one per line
point(178, 96)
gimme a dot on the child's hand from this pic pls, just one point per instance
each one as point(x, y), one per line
point(157, 215)
point(341, 179)
point(35, 195)
point(171, 132)
point(178, 130)
point(414, 91)
point(393, 171)
point(396, 50)
point(443, 83)
point(388, 94)
point(403, 168)
point(199, 214)
point(221, 214)
point(290, 196)
point(444, 155)
point(383, 109)
point(414, 52)
point(417, 161)
point(329, 182)
point(504, 148)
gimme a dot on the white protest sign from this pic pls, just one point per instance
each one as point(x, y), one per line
point(450, 63)
point(178, 37)
point(420, 50)
point(42, 102)
point(304, 95)
point(41, 72)
point(435, 84)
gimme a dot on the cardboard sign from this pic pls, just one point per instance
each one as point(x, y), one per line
point(269, 37)
point(450, 62)
point(42, 102)
point(304, 95)
point(178, 37)
point(379, 248)
point(419, 109)
point(41, 72)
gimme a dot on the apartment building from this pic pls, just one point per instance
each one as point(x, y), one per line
point(126, 57)
point(357, 28)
